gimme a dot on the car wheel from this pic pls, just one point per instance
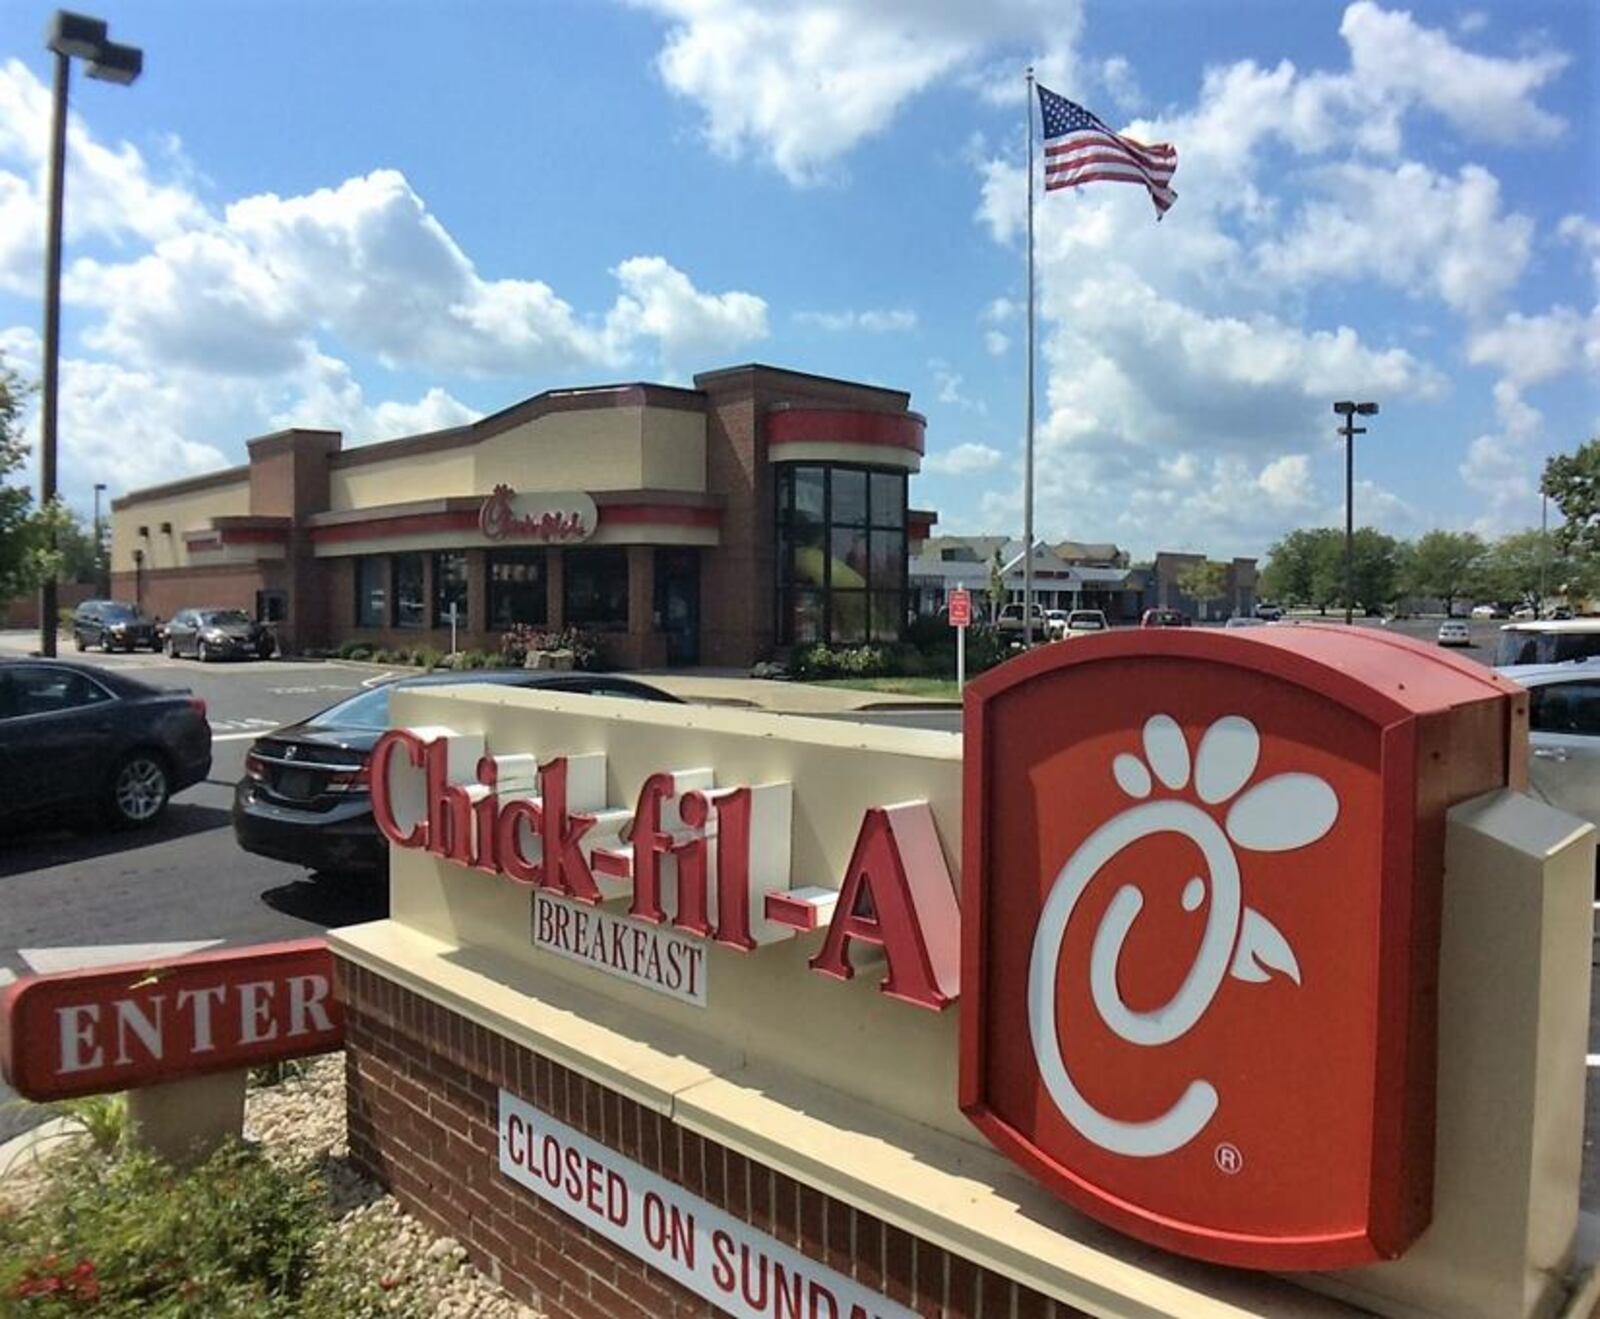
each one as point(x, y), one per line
point(139, 790)
point(202, 652)
point(172, 647)
point(77, 641)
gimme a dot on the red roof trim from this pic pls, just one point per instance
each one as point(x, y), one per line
point(891, 430)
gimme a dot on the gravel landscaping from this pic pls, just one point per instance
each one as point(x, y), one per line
point(395, 1265)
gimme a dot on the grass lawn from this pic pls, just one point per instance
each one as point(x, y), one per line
point(934, 689)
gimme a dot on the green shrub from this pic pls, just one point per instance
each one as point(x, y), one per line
point(125, 1235)
point(427, 657)
point(474, 659)
point(823, 661)
point(358, 652)
point(523, 639)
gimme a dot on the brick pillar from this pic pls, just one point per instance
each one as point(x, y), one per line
point(646, 646)
point(474, 629)
point(555, 588)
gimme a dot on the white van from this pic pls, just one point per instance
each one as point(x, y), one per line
point(1550, 641)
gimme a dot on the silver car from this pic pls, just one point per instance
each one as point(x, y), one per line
point(1563, 733)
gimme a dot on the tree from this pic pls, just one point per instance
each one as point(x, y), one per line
point(1291, 573)
point(997, 585)
point(1204, 581)
point(1445, 565)
point(1517, 566)
point(1573, 481)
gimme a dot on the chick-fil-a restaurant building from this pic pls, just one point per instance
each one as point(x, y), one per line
point(709, 525)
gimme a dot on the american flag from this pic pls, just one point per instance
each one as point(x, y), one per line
point(1079, 148)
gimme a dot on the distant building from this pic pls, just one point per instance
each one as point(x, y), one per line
point(1069, 575)
point(1239, 592)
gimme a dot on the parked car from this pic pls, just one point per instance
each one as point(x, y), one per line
point(305, 797)
point(1164, 618)
point(210, 634)
point(1454, 632)
point(1055, 623)
point(1244, 620)
point(111, 625)
point(1268, 613)
point(1010, 622)
point(1081, 622)
point(1564, 735)
point(77, 737)
point(1490, 611)
point(1549, 642)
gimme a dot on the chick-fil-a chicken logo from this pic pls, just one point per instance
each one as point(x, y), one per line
point(1279, 814)
point(1200, 923)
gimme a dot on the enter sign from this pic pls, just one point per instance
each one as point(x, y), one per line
point(121, 1027)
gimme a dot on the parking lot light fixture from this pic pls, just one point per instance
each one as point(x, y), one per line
point(1350, 411)
point(70, 36)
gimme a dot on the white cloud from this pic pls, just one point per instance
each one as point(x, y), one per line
point(1531, 349)
point(1286, 481)
point(112, 193)
point(962, 460)
point(1001, 310)
point(995, 343)
point(1119, 79)
point(367, 264)
point(1584, 233)
point(949, 388)
point(873, 321)
point(1473, 21)
point(1409, 227)
point(804, 81)
point(333, 399)
point(1483, 96)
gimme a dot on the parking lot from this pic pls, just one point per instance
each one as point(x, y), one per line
point(66, 895)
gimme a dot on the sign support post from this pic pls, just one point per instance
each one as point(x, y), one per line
point(961, 619)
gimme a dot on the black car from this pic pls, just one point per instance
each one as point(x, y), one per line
point(74, 736)
point(305, 794)
point(210, 634)
point(112, 625)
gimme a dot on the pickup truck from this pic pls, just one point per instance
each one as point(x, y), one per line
point(1010, 623)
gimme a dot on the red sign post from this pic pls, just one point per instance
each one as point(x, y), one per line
point(122, 1027)
point(1201, 895)
point(961, 620)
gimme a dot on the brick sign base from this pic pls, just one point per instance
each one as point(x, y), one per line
point(424, 1087)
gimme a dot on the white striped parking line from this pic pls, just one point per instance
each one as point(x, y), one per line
point(1593, 1059)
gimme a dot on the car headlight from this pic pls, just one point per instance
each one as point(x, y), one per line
point(215, 634)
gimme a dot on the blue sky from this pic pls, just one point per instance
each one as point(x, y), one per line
point(392, 217)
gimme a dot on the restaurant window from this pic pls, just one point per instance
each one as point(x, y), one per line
point(409, 591)
point(449, 588)
point(596, 587)
point(372, 592)
point(517, 589)
point(841, 554)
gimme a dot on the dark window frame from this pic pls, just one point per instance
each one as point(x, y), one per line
point(865, 599)
point(421, 620)
point(493, 558)
point(595, 553)
point(438, 612)
point(365, 617)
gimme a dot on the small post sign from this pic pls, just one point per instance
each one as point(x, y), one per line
point(961, 620)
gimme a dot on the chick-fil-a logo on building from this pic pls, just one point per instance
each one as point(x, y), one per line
point(506, 515)
point(1200, 934)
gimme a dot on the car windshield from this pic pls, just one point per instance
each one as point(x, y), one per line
point(120, 613)
point(1529, 646)
point(1091, 621)
point(225, 617)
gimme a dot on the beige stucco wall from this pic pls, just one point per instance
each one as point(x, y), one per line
point(400, 480)
point(603, 449)
point(185, 512)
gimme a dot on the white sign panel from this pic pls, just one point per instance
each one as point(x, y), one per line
point(739, 1270)
point(654, 956)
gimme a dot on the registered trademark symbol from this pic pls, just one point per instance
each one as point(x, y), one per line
point(1228, 1158)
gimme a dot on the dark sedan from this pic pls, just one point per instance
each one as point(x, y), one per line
point(305, 794)
point(112, 625)
point(210, 634)
point(75, 737)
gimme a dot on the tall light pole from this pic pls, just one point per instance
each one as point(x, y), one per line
point(69, 37)
point(1349, 411)
point(101, 584)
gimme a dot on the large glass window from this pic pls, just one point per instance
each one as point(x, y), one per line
point(518, 590)
point(372, 592)
point(841, 554)
point(409, 591)
point(596, 587)
point(449, 588)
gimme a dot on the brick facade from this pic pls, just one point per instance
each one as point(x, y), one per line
point(423, 1099)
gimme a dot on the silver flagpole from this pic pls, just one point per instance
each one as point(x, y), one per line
point(1027, 480)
